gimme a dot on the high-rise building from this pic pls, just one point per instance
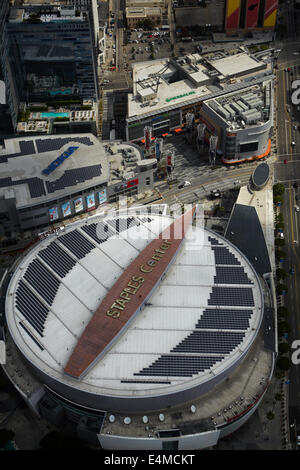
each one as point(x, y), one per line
point(8, 61)
point(250, 15)
point(59, 42)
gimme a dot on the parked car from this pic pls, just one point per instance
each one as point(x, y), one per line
point(184, 184)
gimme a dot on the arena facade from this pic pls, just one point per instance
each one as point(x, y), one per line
point(140, 330)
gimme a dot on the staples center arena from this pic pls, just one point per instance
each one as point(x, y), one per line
point(139, 331)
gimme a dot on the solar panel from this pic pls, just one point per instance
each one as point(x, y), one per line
point(237, 296)
point(26, 148)
point(57, 259)
point(98, 232)
point(73, 177)
point(225, 319)
point(210, 342)
point(179, 365)
point(50, 145)
point(77, 243)
point(31, 307)
point(123, 224)
point(223, 256)
point(42, 280)
point(231, 275)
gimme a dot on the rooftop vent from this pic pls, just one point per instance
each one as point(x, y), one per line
point(127, 420)
point(193, 409)
point(161, 417)
point(145, 419)
point(112, 418)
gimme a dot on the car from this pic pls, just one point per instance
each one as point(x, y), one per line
point(292, 270)
point(281, 235)
point(184, 184)
point(293, 143)
point(285, 161)
point(297, 208)
point(215, 193)
point(296, 53)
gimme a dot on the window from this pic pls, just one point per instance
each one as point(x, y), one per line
point(147, 180)
point(249, 147)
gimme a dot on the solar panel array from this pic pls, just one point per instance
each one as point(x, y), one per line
point(42, 280)
point(31, 307)
point(179, 366)
point(211, 342)
point(122, 224)
point(231, 275)
point(77, 243)
point(223, 256)
point(35, 185)
point(57, 259)
point(51, 145)
point(217, 318)
point(232, 296)
point(98, 232)
point(213, 241)
point(73, 177)
point(26, 148)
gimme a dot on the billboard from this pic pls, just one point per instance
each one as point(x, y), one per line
point(102, 196)
point(78, 204)
point(233, 14)
point(270, 13)
point(147, 136)
point(53, 213)
point(252, 13)
point(158, 148)
point(132, 183)
point(66, 209)
point(90, 201)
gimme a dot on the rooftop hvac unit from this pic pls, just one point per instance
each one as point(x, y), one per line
point(161, 417)
point(145, 419)
point(193, 409)
point(127, 420)
point(112, 418)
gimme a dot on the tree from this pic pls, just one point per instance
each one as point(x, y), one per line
point(279, 226)
point(283, 348)
point(279, 242)
point(278, 200)
point(283, 327)
point(281, 288)
point(283, 312)
point(278, 189)
point(279, 254)
point(281, 273)
point(284, 363)
point(270, 415)
point(279, 217)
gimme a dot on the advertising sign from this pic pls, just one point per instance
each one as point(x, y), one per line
point(78, 204)
point(90, 201)
point(66, 209)
point(102, 195)
point(53, 213)
point(132, 183)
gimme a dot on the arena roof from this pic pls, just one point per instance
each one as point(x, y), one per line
point(200, 319)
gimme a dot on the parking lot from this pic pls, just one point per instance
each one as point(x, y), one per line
point(146, 45)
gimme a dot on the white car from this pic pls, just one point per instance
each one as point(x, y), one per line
point(293, 143)
point(184, 184)
point(297, 208)
point(296, 53)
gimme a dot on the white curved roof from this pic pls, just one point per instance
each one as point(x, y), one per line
point(200, 319)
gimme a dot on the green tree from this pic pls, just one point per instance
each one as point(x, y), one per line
point(279, 242)
point(270, 415)
point(283, 348)
point(281, 288)
point(284, 363)
point(283, 327)
point(279, 225)
point(278, 200)
point(278, 189)
point(279, 254)
point(282, 312)
point(279, 217)
point(281, 273)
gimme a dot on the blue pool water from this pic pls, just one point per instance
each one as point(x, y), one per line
point(48, 114)
point(67, 91)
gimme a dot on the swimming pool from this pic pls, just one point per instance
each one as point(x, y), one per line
point(54, 115)
point(67, 91)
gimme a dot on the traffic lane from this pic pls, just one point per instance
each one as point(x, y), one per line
point(287, 172)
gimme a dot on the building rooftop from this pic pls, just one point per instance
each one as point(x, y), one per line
point(236, 64)
point(155, 355)
point(23, 159)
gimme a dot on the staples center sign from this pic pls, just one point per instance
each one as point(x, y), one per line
point(136, 282)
